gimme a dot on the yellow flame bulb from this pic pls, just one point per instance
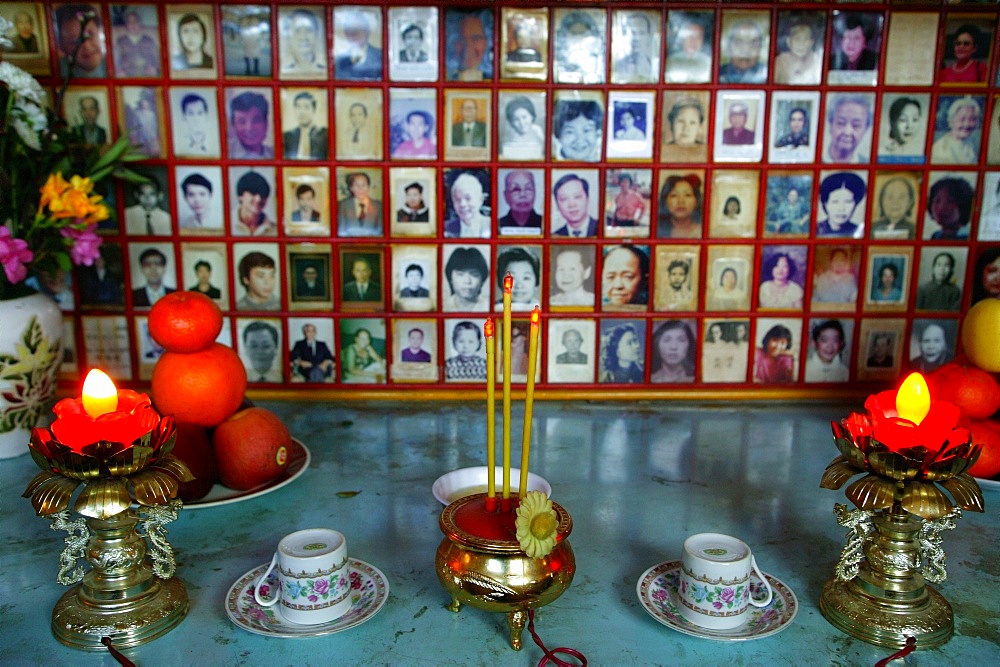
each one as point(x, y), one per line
point(913, 400)
point(100, 395)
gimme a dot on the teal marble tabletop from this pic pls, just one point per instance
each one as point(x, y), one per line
point(637, 479)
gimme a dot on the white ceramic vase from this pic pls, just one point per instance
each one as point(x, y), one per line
point(30, 355)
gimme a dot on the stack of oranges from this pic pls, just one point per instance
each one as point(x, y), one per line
point(202, 384)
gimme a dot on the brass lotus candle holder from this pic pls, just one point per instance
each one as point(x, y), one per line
point(908, 447)
point(120, 457)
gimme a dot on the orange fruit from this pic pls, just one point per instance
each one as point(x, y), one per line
point(979, 330)
point(973, 389)
point(251, 448)
point(195, 449)
point(201, 388)
point(185, 321)
point(986, 433)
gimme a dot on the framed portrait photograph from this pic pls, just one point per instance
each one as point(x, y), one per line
point(684, 137)
point(259, 343)
point(194, 123)
point(744, 45)
point(310, 350)
point(358, 123)
point(142, 110)
point(908, 61)
point(148, 351)
point(880, 349)
point(468, 121)
point(739, 130)
point(520, 332)
point(940, 277)
point(246, 41)
point(835, 279)
point(147, 205)
point(577, 125)
point(469, 36)
point(733, 209)
point(524, 264)
point(631, 125)
point(902, 135)
point(302, 43)
point(412, 125)
point(199, 199)
point(413, 199)
point(524, 45)
point(888, 278)
point(855, 48)
point(627, 202)
point(676, 287)
point(580, 48)
point(191, 39)
point(357, 43)
point(90, 61)
point(69, 366)
point(102, 284)
point(986, 274)
point(413, 44)
point(415, 351)
point(725, 350)
point(932, 344)
point(847, 136)
point(359, 202)
point(465, 278)
point(521, 210)
point(842, 204)
point(681, 212)
point(621, 352)
point(993, 147)
point(783, 275)
point(794, 124)
point(674, 351)
point(828, 350)
point(958, 129)
point(575, 204)
point(310, 276)
point(153, 269)
point(728, 277)
point(522, 125)
point(253, 209)
point(635, 45)
point(304, 133)
point(87, 111)
point(968, 41)
point(414, 278)
point(572, 277)
point(362, 350)
point(690, 36)
point(307, 201)
point(625, 278)
point(135, 41)
point(571, 351)
point(894, 206)
point(468, 203)
point(776, 357)
point(801, 35)
point(249, 132)
point(256, 271)
point(106, 344)
point(29, 37)
point(789, 203)
point(464, 350)
point(205, 269)
point(950, 197)
point(989, 208)
point(362, 274)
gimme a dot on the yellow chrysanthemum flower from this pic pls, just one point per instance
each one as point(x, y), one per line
point(536, 524)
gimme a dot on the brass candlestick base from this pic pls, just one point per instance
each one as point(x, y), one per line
point(887, 600)
point(480, 563)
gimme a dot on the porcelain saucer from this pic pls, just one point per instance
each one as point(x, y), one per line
point(369, 591)
point(657, 590)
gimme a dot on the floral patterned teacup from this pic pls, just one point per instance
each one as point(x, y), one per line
point(313, 577)
point(714, 587)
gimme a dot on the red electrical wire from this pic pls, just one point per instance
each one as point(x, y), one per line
point(551, 655)
point(911, 646)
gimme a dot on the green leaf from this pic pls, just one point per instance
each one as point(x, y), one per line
point(113, 155)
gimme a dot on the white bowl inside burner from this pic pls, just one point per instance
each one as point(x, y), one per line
point(466, 481)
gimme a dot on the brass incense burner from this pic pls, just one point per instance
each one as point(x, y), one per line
point(480, 563)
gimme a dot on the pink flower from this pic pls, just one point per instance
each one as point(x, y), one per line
point(322, 586)
point(14, 254)
point(728, 595)
point(85, 244)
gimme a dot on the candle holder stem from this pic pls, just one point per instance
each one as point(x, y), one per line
point(883, 598)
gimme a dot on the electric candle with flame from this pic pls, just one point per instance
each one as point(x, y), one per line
point(100, 395)
point(491, 379)
point(913, 400)
point(529, 398)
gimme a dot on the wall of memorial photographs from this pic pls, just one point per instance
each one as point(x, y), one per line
point(697, 195)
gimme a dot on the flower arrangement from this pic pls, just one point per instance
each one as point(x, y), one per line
point(49, 208)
